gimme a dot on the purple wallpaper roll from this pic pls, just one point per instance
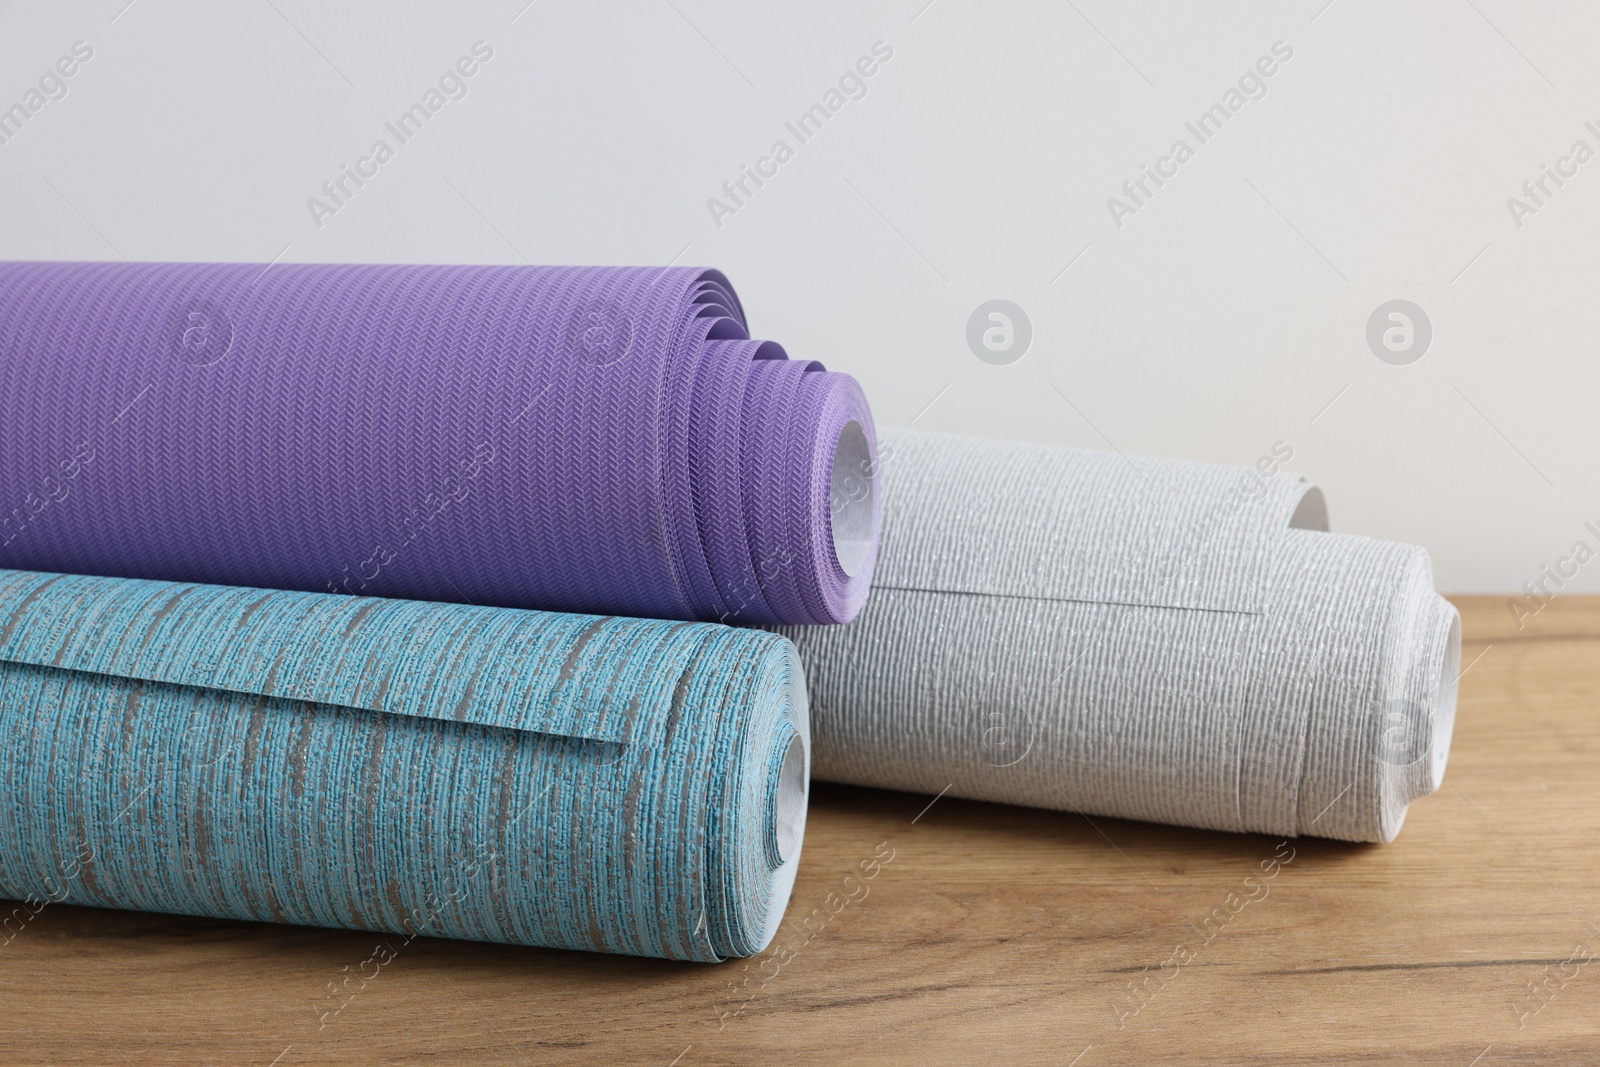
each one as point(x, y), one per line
point(596, 439)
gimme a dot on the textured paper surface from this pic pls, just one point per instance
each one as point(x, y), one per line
point(596, 439)
point(1021, 646)
point(526, 777)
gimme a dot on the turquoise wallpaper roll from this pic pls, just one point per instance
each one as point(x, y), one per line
point(618, 785)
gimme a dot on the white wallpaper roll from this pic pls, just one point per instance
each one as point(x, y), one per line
point(1132, 637)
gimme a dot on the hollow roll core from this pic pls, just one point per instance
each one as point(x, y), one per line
point(852, 498)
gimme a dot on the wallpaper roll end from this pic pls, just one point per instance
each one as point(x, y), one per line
point(1415, 744)
point(1379, 737)
point(787, 800)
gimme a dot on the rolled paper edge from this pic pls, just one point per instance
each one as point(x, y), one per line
point(1437, 647)
point(789, 811)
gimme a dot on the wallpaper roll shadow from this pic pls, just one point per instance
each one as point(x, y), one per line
point(582, 782)
point(596, 439)
point(1123, 636)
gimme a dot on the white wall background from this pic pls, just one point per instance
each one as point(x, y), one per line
point(1227, 314)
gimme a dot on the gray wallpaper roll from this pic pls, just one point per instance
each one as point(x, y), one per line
point(1150, 639)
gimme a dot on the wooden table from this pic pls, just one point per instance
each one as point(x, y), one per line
point(992, 935)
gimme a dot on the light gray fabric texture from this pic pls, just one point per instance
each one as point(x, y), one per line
point(1133, 637)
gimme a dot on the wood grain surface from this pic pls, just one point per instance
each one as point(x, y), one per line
point(970, 933)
